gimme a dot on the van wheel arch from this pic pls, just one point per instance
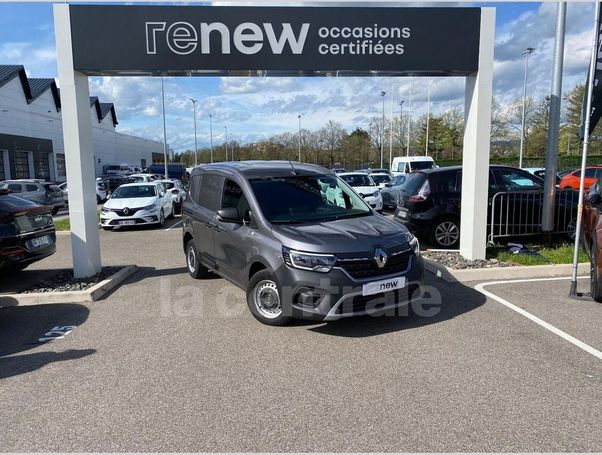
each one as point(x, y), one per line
point(257, 266)
point(187, 237)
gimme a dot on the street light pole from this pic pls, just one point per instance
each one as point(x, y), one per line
point(382, 133)
point(299, 117)
point(401, 125)
point(528, 51)
point(164, 129)
point(428, 118)
point(391, 134)
point(211, 134)
point(226, 128)
point(409, 119)
point(195, 143)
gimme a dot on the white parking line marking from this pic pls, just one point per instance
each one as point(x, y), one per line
point(571, 339)
point(171, 227)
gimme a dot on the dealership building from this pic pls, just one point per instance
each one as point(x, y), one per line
point(31, 131)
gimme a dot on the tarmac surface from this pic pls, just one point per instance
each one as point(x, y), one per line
point(168, 363)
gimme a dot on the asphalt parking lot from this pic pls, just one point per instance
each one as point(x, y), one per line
point(167, 363)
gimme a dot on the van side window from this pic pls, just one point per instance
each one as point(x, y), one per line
point(31, 188)
point(210, 191)
point(234, 197)
point(14, 187)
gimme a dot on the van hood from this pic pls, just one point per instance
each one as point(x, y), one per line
point(130, 202)
point(349, 235)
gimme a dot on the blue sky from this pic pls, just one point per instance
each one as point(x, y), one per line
point(258, 107)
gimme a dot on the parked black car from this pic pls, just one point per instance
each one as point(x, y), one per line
point(175, 170)
point(111, 182)
point(391, 193)
point(430, 204)
point(26, 232)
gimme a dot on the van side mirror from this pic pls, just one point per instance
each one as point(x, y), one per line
point(229, 215)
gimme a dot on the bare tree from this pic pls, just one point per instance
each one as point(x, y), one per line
point(332, 135)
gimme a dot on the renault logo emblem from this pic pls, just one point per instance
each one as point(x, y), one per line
point(380, 257)
point(126, 211)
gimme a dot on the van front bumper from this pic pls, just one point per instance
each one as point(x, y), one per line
point(334, 295)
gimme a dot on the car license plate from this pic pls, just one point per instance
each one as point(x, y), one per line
point(127, 222)
point(40, 241)
point(384, 285)
point(403, 214)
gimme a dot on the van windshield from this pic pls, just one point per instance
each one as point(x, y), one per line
point(307, 199)
point(420, 165)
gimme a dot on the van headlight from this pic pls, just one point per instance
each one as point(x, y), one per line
point(415, 245)
point(309, 261)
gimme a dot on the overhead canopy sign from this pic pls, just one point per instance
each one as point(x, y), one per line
point(274, 40)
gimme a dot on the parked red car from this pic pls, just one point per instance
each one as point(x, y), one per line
point(571, 180)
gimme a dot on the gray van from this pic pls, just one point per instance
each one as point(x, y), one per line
point(299, 240)
point(44, 193)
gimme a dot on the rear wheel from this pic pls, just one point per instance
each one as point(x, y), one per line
point(195, 268)
point(445, 233)
point(264, 299)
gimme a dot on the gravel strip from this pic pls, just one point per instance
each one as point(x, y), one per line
point(64, 281)
point(454, 260)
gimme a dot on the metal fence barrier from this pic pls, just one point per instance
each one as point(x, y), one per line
point(514, 214)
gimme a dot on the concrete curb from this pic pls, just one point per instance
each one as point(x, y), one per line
point(96, 292)
point(502, 273)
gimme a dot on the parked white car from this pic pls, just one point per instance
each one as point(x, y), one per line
point(136, 204)
point(101, 194)
point(363, 185)
point(177, 190)
point(141, 178)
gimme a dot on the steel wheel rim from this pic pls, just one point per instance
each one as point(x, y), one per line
point(572, 228)
point(267, 300)
point(447, 233)
point(191, 259)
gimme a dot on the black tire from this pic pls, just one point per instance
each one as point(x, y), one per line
point(195, 268)
point(16, 268)
point(161, 218)
point(98, 200)
point(173, 211)
point(55, 210)
point(263, 282)
point(595, 279)
point(445, 233)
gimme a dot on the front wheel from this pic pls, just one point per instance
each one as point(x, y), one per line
point(55, 210)
point(446, 233)
point(161, 218)
point(173, 211)
point(264, 299)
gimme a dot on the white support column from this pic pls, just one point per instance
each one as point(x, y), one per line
point(477, 131)
point(79, 158)
point(6, 161)
point(30, 165)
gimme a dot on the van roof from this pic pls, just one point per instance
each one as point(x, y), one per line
point(413, 158)
point(258, 168)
